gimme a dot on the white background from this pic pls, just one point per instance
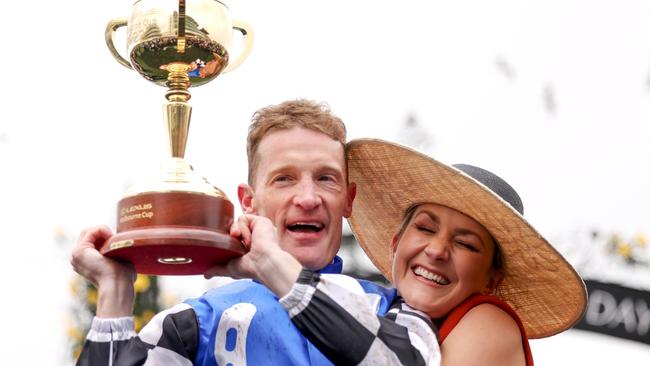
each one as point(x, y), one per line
point(551, 95)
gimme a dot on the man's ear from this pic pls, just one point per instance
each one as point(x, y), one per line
point(350, 194)
point(246, 198)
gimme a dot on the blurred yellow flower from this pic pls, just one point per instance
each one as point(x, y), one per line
point(74, 333)
point(142, 283)
point(137, 321)
point(77, 284)
point(641, 240)
point(147, 315)
point(625, 250)
point(77, 352)
point(91, 296)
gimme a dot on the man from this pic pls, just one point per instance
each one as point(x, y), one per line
point(297, 178)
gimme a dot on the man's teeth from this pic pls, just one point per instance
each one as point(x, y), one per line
point(431, 276)
point(305, 226)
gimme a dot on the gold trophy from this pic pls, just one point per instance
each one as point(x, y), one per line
point(178, 225)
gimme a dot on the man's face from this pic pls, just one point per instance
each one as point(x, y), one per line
point(300, 185)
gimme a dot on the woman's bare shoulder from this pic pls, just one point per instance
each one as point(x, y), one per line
point(486, 335)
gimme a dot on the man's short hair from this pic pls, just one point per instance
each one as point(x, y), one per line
point(294, 113)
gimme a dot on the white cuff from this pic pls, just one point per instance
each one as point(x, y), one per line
point(111, 329)
point(300, 294)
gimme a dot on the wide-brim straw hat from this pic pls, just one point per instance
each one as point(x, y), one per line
point(542, 287)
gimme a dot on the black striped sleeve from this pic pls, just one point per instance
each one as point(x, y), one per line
point(339, 318)
point(171, 337)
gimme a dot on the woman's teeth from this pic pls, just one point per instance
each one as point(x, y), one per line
point(430, 276)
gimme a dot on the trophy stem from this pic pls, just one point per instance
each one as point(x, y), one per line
point(177, 112)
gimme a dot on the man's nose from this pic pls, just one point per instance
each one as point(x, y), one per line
point(307, 196)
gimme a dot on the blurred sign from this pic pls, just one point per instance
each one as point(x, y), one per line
point(617, 311)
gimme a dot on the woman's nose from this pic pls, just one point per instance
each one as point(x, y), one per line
point(437, 249)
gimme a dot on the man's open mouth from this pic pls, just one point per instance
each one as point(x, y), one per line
point(305, 227)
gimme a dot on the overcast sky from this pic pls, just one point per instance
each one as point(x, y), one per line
point(551, 95)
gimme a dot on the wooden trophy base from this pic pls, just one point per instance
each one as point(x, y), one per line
point(173, 233)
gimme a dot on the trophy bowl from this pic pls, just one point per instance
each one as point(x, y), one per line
point(179, 223)
point(197, 33)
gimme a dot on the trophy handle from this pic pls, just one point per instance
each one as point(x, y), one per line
point(111, 27)
point(248, 34)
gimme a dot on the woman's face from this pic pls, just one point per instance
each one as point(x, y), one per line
point(441, 258)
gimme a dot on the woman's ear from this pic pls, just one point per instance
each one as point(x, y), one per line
point(393, 243)
point(496, 276)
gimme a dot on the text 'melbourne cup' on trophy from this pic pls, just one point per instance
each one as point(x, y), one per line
point(178, 224)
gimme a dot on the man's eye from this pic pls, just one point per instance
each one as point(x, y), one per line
point(281, 178)
point(326, 178)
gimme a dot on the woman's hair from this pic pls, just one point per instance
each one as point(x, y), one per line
point(498, 260)
point(295, 113)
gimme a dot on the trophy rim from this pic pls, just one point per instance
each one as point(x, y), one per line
point(156, 250)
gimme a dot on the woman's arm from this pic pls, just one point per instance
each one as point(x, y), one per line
point(486, 335)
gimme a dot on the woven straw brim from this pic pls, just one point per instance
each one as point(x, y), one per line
point(539, 284)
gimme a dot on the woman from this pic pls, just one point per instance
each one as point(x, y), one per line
point(526, 280)
point(462, 256)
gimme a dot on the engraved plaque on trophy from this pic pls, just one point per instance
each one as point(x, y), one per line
point(179, 224)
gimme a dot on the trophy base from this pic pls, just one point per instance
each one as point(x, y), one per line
point(172, 251)
point(173, 233)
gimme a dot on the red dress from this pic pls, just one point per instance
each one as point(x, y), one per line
point(459, 311)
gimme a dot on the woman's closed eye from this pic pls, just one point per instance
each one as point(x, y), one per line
point(467, 245)
point(426, 228)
